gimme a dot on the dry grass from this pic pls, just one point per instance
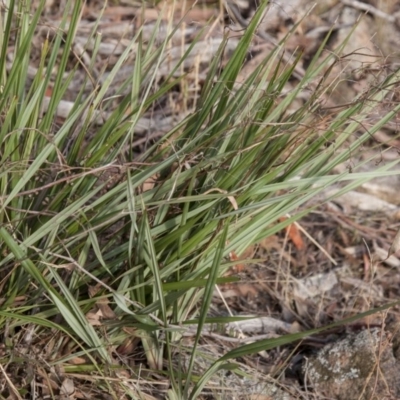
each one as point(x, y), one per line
point(293, 282)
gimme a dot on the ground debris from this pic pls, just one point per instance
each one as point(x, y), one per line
point(361, 366)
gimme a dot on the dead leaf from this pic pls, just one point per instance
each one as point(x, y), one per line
point(239, 290)
point(49, 91)
point(381, 254)
point(93, 290)
point(128, 346)
point(269, 243)
point(50, 383)
point(295, 327)
point(395, 247)
point(294, 235)
point(67, 389)
point(233, 257)
point(94, 318)
point(78, 361)
point(248, 253)
point(106, 310)
point(149, 184)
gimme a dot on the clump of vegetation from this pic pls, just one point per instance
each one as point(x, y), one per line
point(107, 251)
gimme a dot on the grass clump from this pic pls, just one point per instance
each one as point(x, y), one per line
point(107, 252)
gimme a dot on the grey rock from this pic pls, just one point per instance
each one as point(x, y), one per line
point(362, 366)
